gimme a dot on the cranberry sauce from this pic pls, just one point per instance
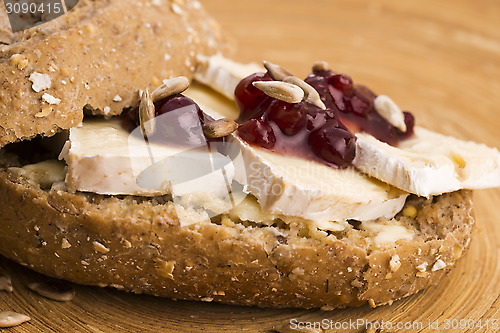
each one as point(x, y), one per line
point(353, 104)
point(304, 130)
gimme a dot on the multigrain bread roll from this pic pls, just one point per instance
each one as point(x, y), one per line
point(96, 59)
point(96, 56)
point(139, 245)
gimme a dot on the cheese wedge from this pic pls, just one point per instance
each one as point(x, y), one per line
point(297, 187)
point(429, 163)
point(290, 186)
point(104, 158)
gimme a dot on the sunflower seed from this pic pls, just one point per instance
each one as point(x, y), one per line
point(310, 94)
point(219, 128)
point(10, 319)
point(283, 91)
point(170, 87)
point(54, 289)
point(389, 110)
point(147, 114)
point(280, 74)
point(5, 281)
point(319, 66)
point(277, 72)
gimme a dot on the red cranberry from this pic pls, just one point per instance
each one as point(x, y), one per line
point(181, 128)
point(258, 131)
point(172, 103)
point(316, 118)
point(338, 99)
point(177, 129)
point(409, 120)
point(290, 118)
point(130, 117)
point(341, 82)
point(320, 83)
point(360, 104)
point(249, 98)
point(410, 124)
point(333, 144)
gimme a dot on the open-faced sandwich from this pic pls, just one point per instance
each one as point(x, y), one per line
point(249, 187)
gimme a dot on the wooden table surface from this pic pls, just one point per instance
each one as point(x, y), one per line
point(439, 59)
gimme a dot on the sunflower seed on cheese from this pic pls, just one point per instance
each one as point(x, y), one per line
point(276, 71)
point(286, 92)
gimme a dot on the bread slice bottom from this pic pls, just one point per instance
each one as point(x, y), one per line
point(139, 245)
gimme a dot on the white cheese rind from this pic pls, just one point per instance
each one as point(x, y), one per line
point(429, 163)
point(99, 162)
point(296, 187)
point(104, 158)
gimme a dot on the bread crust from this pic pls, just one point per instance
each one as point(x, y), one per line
point(140, 246)
point(99, 55)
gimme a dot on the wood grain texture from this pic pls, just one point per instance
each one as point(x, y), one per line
point(441, 60)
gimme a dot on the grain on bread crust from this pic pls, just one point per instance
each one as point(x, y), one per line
point(139, 245)
point(98, 55)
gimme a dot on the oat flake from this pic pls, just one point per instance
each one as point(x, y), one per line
point(51, 99)
point(40, 81)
